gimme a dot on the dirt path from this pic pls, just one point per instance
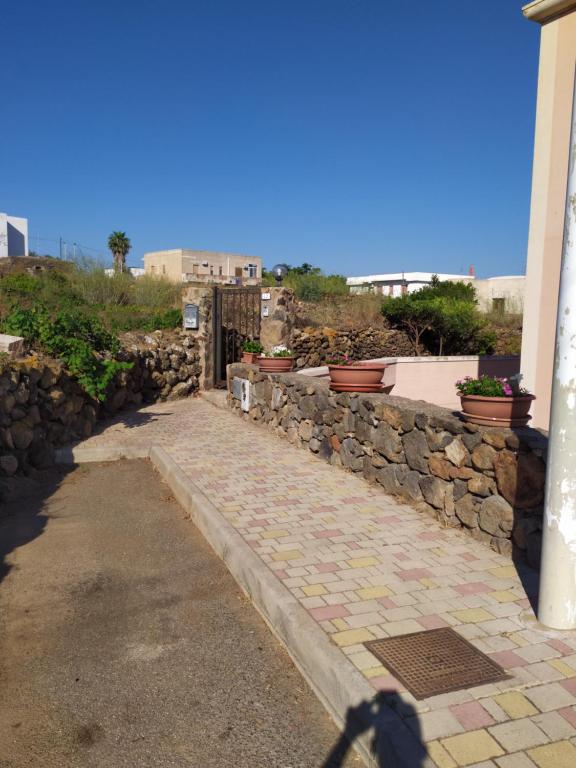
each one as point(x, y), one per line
point(125, 642)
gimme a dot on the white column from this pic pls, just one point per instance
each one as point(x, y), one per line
point(557, 604)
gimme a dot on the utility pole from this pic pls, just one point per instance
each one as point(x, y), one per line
point(60, 247)
point(557, 602)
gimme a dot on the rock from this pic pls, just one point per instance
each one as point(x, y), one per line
point(335, 443)
point(483, 456)
point(521, 479)
point(305, 430)
point(494, 438)
point(277, 399)
point(410, 486)
point(416, 450)
point(50, 376)
point(387, 442)
point(314, 444)
point(401, 420)
point(22, 435)
point(41, 454)
point(433, 490)
point(388, 478)
point(467, 511)
point(180, 390)
point(439, 467)
point(437, 441)
point(503, 546)
point(460, 489)
point(456, 452)
point(471, 440)
point(352, 454)
point(8, 464)
point(496, 516)
point(481, 485)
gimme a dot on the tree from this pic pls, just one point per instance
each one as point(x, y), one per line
point(119, 244)
point(412, 316)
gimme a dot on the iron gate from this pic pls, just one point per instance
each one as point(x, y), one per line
point(236, 316)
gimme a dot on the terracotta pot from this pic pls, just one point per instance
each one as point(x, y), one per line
point(276, 364)
point(251, 358)
point(359, 375)
point(496, 411)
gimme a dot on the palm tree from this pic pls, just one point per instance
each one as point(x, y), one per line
point(119, 244)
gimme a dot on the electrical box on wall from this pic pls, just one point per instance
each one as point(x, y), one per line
point(191, 317)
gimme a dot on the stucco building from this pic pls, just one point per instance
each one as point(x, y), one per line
point(549, 183)
point(13, 236)
point(397, 283)
point(189, 266)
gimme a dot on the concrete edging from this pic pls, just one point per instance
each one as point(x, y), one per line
point(334, 680)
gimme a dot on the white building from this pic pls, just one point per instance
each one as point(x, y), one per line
point(134, 271)
point(13, 236)
point(494, 294)
point(398, 283)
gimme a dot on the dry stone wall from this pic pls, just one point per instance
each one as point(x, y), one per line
point(314, 346)
point(487, 481)
point(42, 406)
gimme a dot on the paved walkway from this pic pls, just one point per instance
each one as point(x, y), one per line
point(365, 566)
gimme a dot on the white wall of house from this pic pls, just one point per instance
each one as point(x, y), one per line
point(13, 236)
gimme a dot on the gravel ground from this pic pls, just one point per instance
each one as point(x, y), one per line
point(125, 642)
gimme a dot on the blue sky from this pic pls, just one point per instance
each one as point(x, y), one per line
point(359, 135)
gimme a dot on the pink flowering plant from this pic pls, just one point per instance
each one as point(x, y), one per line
point(491, 386)
point(340, 360)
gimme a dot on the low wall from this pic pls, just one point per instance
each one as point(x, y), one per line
point(433, 378)
point(314, 346)
point(487, 481)
point(42, 406)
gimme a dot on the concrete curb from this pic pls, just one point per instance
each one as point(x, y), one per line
point(334, 680)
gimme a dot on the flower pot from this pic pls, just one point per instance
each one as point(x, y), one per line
point(275, 364)
point(360, 377)
point(496, 411)
point(251, 358)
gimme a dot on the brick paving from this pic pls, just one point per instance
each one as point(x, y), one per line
point(365, 566)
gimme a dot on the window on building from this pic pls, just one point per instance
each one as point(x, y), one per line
point(220, 270)
point(163, 269)
point(153, 269)
point(211, 269)
point(252, 270)
point(237, 271)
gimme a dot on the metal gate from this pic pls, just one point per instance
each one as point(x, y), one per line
point(236, 316)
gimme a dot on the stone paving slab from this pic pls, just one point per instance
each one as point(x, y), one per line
point(365, 566)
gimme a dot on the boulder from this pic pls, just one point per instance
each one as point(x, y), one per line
point(456, 452)
point(520, 479)
point(416, 450)
point(483, 456)
point(434, 491)
point(496, 516)
point(467, 511)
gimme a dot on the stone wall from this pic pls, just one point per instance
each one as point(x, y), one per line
point(42, 406)
point(487, 481)
point(313, 346)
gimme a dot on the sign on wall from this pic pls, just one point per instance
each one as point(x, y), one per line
point(191, 317)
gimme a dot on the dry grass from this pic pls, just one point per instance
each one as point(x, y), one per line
point(345, 313)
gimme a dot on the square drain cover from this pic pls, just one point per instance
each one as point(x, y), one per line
point(435, 661)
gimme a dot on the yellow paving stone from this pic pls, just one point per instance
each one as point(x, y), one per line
point(561, 754)
point(376, 671)
point(371, 593)
point(504, 572)
point(340, 624)
point(472, 747)
point(329, 519)
point(562, 667)
point(365, 562)
point(472, 615)
point(515, 704)
point(274, 534)
point(352, 637)
point(314, 590)
point(428, 583)
point(515, 637)
point(504, 596)
point(289, 554)
point(437, 752)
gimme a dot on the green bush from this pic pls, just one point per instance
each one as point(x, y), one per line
point(131, 318)
point(441, 318)
point(79, 340)
point(314, 286)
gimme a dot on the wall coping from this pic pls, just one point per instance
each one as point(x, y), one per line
point(322, 370)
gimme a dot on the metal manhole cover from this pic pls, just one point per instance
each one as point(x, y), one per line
point(435, 661)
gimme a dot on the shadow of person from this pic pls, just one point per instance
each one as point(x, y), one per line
point(391, 736)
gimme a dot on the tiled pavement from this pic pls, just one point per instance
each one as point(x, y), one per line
point(365, 566)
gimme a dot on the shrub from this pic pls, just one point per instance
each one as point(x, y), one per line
point(252, 346)
point(491, 386)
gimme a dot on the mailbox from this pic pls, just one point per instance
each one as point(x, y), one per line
point(191, 317)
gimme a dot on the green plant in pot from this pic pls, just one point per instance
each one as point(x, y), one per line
point(280, 359)
point(494, 401)
point(251, 350)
